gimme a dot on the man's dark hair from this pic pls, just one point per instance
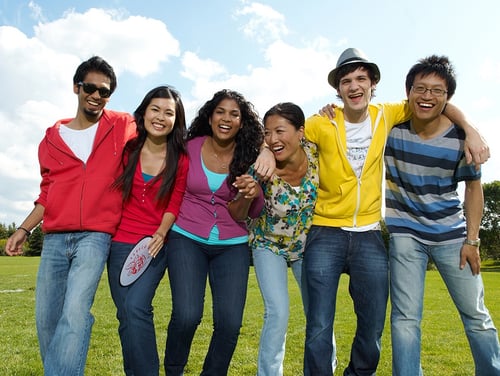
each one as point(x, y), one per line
point(438, 65)
point(95, 64)
point(349, 68)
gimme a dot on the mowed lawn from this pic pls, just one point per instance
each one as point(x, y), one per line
point(445, 350)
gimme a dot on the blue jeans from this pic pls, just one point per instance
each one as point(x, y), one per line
point(189, 264)
point(408, 263)
point(271, 271)
point(135, 310)
point(331, 251)
point(70, 269)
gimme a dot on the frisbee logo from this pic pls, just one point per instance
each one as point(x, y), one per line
point(136, 263)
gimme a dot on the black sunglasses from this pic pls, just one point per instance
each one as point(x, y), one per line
point(104, 92)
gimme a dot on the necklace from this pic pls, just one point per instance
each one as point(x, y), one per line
point(223, 165)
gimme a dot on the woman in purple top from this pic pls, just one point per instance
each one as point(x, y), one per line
point(223, 141)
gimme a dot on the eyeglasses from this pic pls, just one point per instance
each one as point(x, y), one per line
point(423, 89)
point(104, 92)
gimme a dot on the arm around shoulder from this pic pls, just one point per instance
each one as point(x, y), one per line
point(476, 148)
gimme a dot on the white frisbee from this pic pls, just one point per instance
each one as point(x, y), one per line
point(136, 263)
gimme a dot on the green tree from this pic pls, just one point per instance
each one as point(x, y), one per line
point(490, 224)
point(11, 229)
point(2, 247)
point(3, 231)
point(35, 242)
point(385, 233)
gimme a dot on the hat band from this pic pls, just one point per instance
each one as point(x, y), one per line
point(355, 58)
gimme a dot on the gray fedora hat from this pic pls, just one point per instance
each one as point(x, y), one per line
point(351, 56)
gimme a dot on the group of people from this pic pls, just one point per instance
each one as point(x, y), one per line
point(291, 192)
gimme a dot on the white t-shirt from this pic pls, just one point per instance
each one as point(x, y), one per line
point(359, 137)
point(80, 141)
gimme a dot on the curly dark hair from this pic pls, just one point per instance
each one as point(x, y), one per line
point(249, 138)
point(175, 144)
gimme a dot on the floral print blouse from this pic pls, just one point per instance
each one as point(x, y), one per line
point(287, 214)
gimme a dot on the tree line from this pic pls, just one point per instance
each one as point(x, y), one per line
point(489, 232)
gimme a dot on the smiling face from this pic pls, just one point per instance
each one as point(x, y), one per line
point(92, 104)
point(355, 89)
point(159, 117)
point(282, 138)
point(427, 106)
point(225, 120)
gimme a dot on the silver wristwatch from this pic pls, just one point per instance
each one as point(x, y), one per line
point(474, 243)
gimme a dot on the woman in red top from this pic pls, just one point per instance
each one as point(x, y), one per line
point(153, 184)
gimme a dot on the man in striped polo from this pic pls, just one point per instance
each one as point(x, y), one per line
point(424, 163)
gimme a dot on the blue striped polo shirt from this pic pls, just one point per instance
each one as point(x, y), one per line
point(421, 184)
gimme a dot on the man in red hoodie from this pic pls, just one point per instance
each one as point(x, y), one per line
point(80, 159)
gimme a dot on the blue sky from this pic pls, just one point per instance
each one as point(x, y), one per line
point(270, 51)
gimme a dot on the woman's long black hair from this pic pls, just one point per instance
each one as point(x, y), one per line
point(249, 138)
point(175, 145)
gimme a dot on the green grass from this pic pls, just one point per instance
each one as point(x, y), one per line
point(444, 350)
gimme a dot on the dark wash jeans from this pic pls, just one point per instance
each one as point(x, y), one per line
point(135, 310)
point(189, 264)
point(331, 251)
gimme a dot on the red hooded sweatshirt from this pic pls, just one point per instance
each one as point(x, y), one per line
point(78, 196)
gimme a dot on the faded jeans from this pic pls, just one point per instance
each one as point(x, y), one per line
point(271, 271)
point(408, 263)
point(68, 276)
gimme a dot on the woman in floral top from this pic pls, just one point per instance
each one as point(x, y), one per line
point(278, 236)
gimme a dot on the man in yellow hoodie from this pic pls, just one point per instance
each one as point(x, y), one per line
point(345, 236)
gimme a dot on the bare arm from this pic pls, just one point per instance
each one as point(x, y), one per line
point(14, 245)
point(473, 206)
point(158, 240)
point(265, 163)
point(476, 149)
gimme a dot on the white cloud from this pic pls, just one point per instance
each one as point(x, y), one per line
point(196, 68)
point(136, 44)
point(36, 11)
point(265, 23)
point(290, 73)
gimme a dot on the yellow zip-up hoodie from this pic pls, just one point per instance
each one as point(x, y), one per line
point(343, 199)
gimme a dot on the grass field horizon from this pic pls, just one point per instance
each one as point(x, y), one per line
point(445, 350)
